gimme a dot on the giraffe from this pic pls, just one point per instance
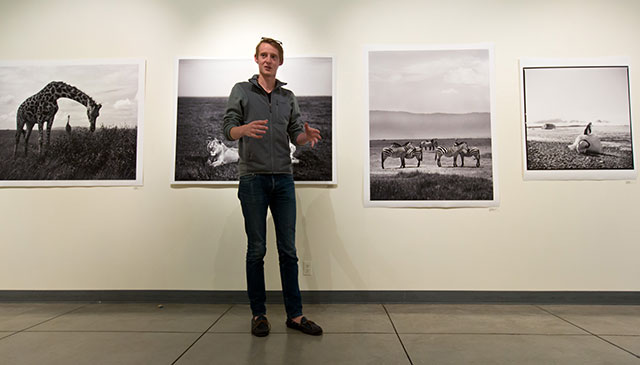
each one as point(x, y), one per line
point(68, 126)
point(42, 107)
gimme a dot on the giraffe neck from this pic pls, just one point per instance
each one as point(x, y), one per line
point(63, 90)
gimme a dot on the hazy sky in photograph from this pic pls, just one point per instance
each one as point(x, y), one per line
point(305, 76)
point(115, 86)
point(430, 81)
point(579, 93)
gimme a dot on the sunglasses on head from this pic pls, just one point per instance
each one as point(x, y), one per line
point(270, 39)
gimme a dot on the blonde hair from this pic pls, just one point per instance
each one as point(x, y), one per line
point(273, 42)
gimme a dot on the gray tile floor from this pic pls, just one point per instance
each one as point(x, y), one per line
point(79, 333)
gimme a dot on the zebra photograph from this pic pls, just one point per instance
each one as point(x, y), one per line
point(429, 108)
point(203, 89)
point(577, 119)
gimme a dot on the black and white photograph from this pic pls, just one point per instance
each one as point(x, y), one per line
point(430, 139)
point(203, 155)
point(71, 123)
point(577, 119)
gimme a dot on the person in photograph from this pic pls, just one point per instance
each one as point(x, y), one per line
point(264, 117)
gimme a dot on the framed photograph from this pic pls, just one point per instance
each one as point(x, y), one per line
point(204, 156)
point(71, 123)
point(430, 127)
point(576, 116)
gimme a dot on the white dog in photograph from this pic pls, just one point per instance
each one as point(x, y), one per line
point(220, 154)
point(587, 143)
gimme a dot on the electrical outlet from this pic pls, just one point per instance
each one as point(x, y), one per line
point(306, 268)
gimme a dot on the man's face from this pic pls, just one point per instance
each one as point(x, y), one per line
point(268, 60)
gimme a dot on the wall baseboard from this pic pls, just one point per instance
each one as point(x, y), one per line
point(327, 296)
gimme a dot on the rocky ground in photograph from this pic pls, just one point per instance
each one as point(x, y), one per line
point(556, 156)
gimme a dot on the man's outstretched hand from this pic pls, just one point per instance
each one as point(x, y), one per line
point(256, 128)
point(310, 134)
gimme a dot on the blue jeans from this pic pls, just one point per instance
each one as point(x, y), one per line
point(258, 192)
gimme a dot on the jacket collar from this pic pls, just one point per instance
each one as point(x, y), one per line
point(254, 80)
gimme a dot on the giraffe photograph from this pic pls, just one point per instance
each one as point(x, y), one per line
point(430, 127)
point(577, 119)
point(71, 123)
point(202, 154)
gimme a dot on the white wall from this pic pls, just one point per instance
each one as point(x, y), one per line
point(543, 236)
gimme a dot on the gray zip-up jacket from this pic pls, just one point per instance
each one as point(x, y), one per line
point(270, 154)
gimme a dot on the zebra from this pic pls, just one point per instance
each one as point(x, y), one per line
point(416, 153)
point(429, 145)
point(452, 151)
point(470, 152)
point(397, 150)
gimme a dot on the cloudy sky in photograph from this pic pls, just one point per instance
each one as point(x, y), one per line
point(305, 76)
point(430, 81)
point(585, 94)
point(115, 86)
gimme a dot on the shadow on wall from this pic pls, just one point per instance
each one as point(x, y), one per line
point(324, 247)
point(229, 259)
point(317, 241)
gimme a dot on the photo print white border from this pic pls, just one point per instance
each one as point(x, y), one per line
point(441, 70)
point(577, 116)
point(119, 90)
point(213, 78)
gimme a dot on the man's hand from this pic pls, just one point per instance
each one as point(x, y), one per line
point(310, 135)
point(253, 129)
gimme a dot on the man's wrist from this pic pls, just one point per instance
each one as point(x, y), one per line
point(237, 132)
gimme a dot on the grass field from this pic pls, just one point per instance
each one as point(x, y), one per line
point(430, 182)
point(547, 149)
point(200, 119)
point(416, 185)
point(109, 153)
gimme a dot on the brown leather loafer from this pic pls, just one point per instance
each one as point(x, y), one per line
point(305, 326)
point(260, 326)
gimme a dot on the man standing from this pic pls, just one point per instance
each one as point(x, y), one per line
point(264, 117)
